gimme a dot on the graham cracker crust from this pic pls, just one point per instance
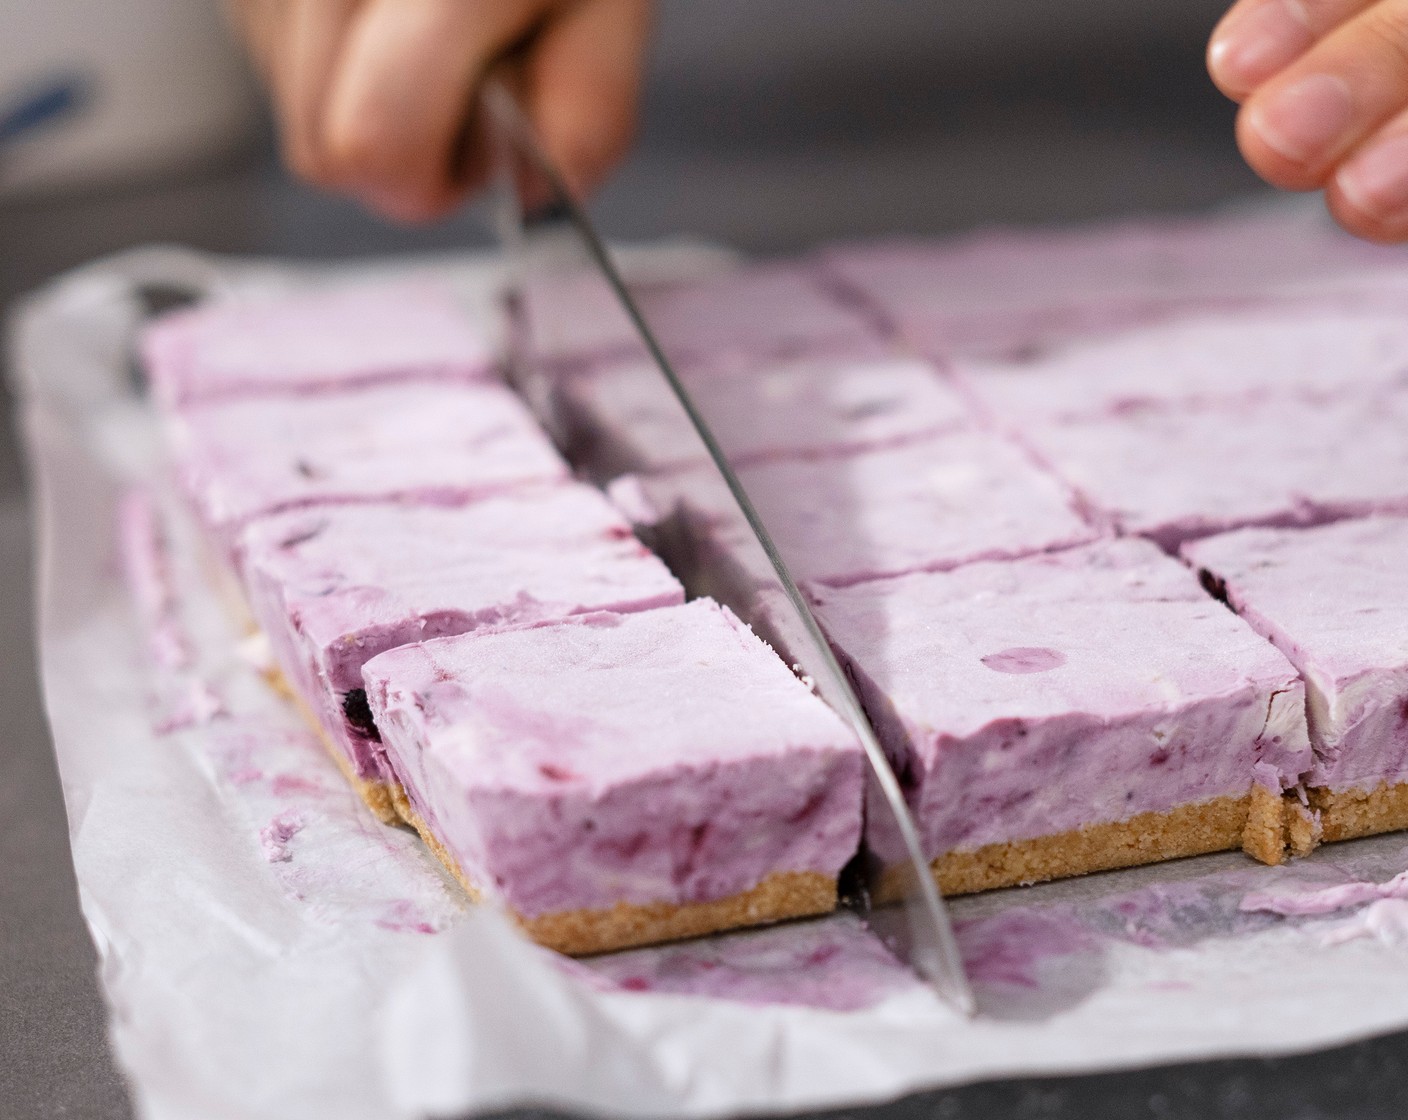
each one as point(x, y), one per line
point(1188, 830)
point(628, 925)
point(1350, 813)
point(1279, 827)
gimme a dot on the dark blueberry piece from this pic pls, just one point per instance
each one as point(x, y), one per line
point(359, 714)
point(1214, 585)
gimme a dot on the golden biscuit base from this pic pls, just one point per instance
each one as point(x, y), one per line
point(1347, 814)
point(1189, 830)
point(1218, 825)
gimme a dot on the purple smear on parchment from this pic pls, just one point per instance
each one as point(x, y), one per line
point(404, 916)
point(1294, 900)
point(1011, 948)
point(834, 964)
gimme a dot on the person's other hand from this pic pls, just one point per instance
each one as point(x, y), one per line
point(1323, 88)
point(376, 98)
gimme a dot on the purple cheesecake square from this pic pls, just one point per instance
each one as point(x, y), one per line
point(654, 760)
point(1006, 291)
point(926, 505)
point(757, 311)
point(625, 419)
point(1032, 698)
point(334, 586)
point(314, 341)
point(419, 442)
point(1198, 358)
point(773, 309)
point(1179, 471)
point(1334, 600)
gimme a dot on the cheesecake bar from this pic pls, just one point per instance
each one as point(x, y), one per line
point(616, 780)
point(333, 586)
point(1174, 472)
point(413, 441)
point(758, 311)
point(306, 343)
point(1204, 357)
point(1008, 291)
point(1334, 600)
point(1066, 713)
point(927, 505)
point(769, 310)
point(624, 418)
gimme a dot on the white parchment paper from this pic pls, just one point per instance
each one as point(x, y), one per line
point(269, 950)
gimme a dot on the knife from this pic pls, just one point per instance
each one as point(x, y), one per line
point(557, 259)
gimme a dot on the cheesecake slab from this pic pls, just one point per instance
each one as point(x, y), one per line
point(310, 342)
point(1069, 712)
point(1334, 600)
point(415, 442)
point(333, 586)
point(614, 780)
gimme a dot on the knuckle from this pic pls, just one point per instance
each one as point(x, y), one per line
point(304, 161)
point(1389, 26)
point(350, 150)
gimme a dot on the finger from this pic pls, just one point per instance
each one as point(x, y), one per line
point(315, 33)
point(402, 94)
point(584, 76)
point(1369, 193)
point(1295, 128)
point(259, 23)
point(1257, 39)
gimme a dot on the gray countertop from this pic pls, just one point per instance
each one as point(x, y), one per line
point(921, 132)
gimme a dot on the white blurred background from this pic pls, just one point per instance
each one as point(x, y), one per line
point(116, 89)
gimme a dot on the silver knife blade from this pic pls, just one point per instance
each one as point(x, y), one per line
point(563, 268)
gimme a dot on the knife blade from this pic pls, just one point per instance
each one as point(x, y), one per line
point(562, 276)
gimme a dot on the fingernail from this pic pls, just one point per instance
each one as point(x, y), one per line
point(1260, 44)
point(1376, 181)
point(1305, 121)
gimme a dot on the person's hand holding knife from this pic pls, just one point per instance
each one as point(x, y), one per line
point(374, 97)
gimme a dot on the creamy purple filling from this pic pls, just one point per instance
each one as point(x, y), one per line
point(1334, 600)
point(308, 343)
point(665, 756)
point(334, 586)
point(414, 442)
point(1035, 697)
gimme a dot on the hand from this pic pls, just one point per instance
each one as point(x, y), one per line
point(376, 98)
point(1323, 86)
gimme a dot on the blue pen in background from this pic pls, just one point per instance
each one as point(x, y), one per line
point(41, 106)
